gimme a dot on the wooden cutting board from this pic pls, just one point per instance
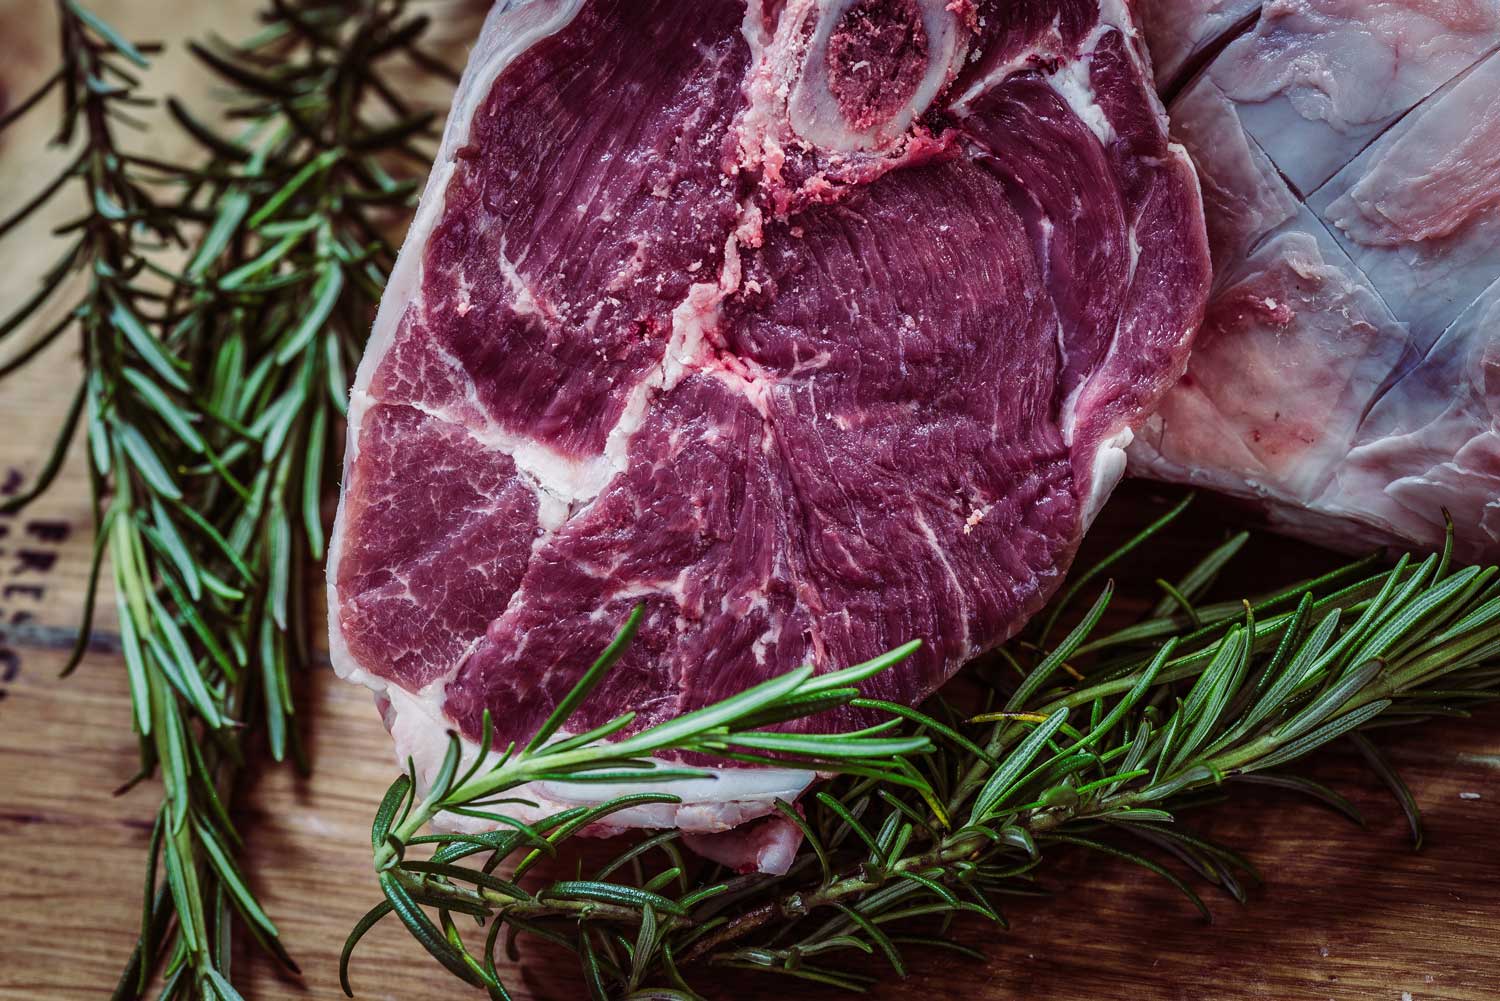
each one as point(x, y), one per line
point(1345, 914)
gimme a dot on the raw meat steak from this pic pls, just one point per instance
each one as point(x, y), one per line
point(813, 328)
point(1346, 373)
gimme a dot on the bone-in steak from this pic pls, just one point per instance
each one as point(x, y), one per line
point(813, 328)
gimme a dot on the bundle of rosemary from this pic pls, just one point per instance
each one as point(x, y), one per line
point(217, 306)
point(1092, 742)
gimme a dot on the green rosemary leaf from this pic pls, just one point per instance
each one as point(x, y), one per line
point(270, 657)
point(924, 720)
point(232, 208)
point(107, 33)
point(182, 883)
point(1373, 611)
point(457, 846)
point(590, 679)
point(313, 483)
point(1329, 703)
point(146, 462)
point(1205, 703)
point(55, 459)
point(1166, 785)
point(163, 533)
point(278, 420)
point(1295, 673)
point(146, 345)
point(1002, 780)
point(1324, 734)
point(1308, 787)
point(850, 676)
point(831, 747)
point(1423, 612)
point(220, 545)
point(790, 812)
point(1478, 619)
point(424, 931)
point(1078, 581)
point(800, 707)
point(876, 937)
point(593, 973)
point(222, 985)
point(595, 735)
point(890, 840)
point(279, 550)
point(931, 885)
point(656, 883)
point(582, 818)
point(851, 823)
point(338, 383)
point(642, 955)
point(1144, 863)
point(38, 344)
point(459, 873)
point(1292, 636)
point(1392, 778)
point(178, 420)
point(326, 291)
point(1176, 597)
point(170, 738)
point(1132, 698)
point(1042, 673)
point(317, 165)
point(183, 676)
point(612, 893)
point(1197, 580)
point(690, 725)
point(395, 797)
point(135, 667)
point(1141, 816)
point(244, 900)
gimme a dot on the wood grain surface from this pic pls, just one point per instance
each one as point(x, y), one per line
point(1344, 914)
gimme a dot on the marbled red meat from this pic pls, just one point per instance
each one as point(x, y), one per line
point(812, 328)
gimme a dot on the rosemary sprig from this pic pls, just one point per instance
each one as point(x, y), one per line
point(217, 305)
point(728, 727)
point(1097, 744)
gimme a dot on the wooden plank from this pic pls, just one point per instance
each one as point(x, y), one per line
point(1345, 914)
